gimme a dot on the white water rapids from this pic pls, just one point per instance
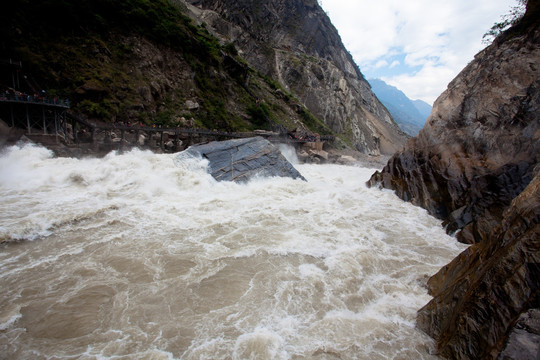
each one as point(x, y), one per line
point(136, 256)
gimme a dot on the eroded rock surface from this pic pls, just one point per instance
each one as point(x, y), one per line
point(242, 159)
point(481, 294)
point(524, 340)
point(476, 165)
point(480, 144)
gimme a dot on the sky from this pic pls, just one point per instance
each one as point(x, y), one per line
point(418, 46)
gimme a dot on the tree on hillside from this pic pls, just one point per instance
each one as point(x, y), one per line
point(507, 20)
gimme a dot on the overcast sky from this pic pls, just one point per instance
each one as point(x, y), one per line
point(418, 46)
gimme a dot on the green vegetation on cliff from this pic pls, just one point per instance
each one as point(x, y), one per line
point(141, 60)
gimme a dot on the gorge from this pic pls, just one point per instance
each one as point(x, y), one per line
point(200, 64)
point(142, 255)
point(475, 165)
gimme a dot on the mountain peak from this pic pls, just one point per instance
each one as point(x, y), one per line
point(409, 115)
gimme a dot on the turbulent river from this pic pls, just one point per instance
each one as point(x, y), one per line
point(142, 256)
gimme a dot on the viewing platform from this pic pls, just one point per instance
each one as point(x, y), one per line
point(34, 100)
point(35, 114)
point(169, 139)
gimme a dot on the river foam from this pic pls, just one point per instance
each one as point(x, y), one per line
point(139, 256)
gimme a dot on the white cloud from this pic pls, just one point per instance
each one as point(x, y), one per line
point(421, 84)
point(381, 63)
point(394, 64)
point(438, 36)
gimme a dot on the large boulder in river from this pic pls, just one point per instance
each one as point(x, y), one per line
point(241, 159)
point(476, 166)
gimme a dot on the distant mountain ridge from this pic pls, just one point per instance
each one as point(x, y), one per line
point(409, 115)
point(423, 108)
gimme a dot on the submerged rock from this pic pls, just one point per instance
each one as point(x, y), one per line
point(242, 159)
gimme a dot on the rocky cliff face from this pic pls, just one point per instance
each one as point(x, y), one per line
point(295, 42)
point(480, 144)
point(147, 62)
point(476, 166)
point(480, 296)
point(137, 61)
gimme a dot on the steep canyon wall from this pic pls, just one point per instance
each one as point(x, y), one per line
point(295, 42)
point(476, 165)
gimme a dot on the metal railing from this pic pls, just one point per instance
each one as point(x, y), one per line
point(34, 99)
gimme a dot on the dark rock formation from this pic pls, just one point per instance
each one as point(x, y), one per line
point(524, 340)
point(9, 135)
point(476, 165)
point(294, 42)
point(480, 295)
point(242, 159)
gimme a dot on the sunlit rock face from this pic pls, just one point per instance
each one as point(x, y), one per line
point(479, 147)
point(476, 166)
point(295, 42)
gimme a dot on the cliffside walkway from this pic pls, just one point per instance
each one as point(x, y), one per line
point(35, 114)
point(86, 131)
point(50, 119)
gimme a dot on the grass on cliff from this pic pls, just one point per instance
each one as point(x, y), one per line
point(72, 49)
point(158, 20)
